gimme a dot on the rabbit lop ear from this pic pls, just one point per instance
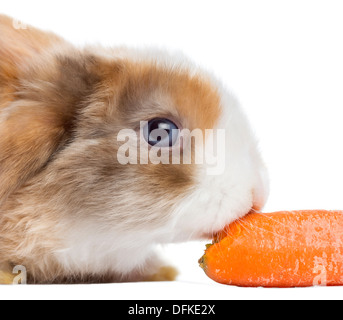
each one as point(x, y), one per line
point(28, 135)
point(28, 138)
point(39, 103)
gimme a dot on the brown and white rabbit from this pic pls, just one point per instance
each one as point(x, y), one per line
point(69, 211)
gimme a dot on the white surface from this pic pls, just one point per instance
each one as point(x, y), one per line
point(283, 59)
point(166, 291)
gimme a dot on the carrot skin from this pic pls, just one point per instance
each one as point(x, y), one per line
point(282, 249)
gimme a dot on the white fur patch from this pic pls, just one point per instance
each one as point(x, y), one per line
point(220, 199)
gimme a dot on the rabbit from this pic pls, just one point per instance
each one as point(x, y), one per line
point(70, 212)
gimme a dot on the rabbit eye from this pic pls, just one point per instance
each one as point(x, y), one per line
point(162, 132)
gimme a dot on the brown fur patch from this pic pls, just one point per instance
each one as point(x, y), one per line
point(23, 149)
point(44, 98)
point(16, 47)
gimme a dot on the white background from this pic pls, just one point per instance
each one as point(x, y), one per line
point(282, 59)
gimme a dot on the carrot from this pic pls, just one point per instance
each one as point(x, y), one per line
point(282, 249)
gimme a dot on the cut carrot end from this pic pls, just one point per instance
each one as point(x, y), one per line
point(282, 249)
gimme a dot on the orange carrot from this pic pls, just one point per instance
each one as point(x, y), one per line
point(282, 249)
